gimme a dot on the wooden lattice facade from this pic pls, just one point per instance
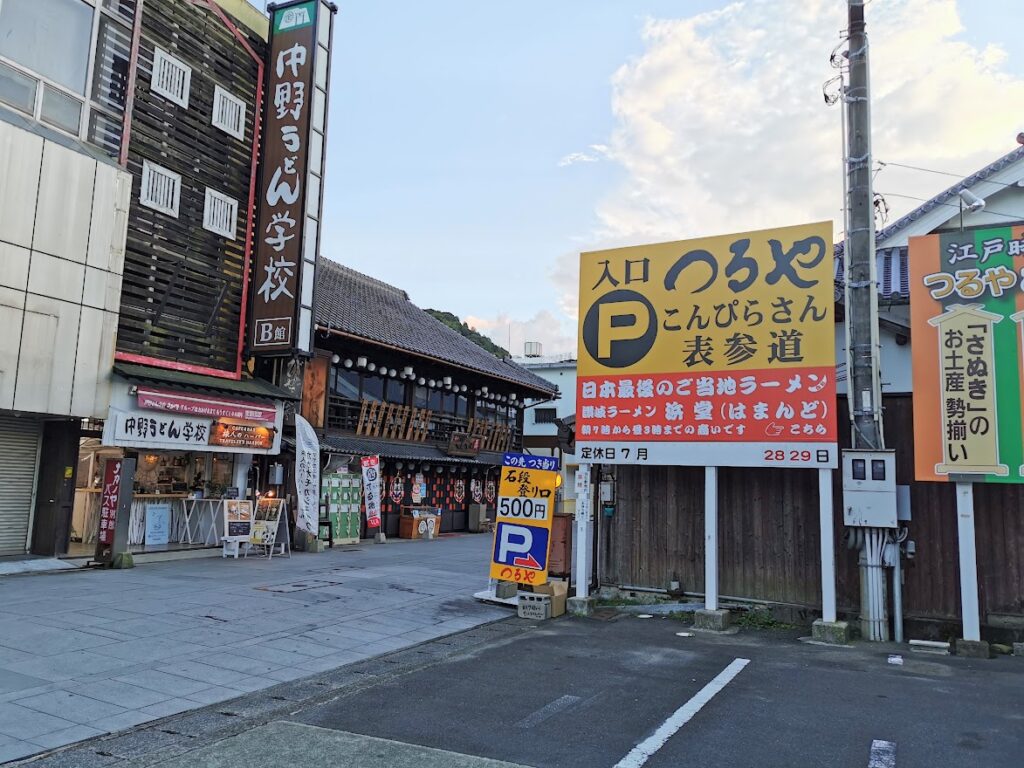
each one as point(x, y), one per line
point(183, 293)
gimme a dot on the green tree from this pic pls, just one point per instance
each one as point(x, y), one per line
point(456, 324)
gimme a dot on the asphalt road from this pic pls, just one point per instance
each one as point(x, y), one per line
point(628, 692)
point(585, 693)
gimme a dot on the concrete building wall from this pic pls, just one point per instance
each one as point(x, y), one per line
point(63, 219)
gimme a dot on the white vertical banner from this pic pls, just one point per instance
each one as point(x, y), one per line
point(307, 476)
point(371, 489)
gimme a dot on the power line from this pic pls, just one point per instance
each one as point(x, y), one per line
point(1018, 216)
point(882, 164)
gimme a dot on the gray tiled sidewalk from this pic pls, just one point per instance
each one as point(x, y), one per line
point(92, 652)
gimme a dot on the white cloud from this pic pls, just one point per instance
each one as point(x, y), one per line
point(576, 157)
point(721, 126)
point(545, 326)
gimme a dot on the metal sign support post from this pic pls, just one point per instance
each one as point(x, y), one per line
point(828, 547)
point(582, 577)
point(583, 516)
point(711, 538)
point(968, 561)
point(580, 604)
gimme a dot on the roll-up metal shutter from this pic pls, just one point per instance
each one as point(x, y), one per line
point(19, 449)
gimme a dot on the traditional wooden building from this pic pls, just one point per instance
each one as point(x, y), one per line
point(388, 379)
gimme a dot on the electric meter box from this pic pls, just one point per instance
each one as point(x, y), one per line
point(869, 489)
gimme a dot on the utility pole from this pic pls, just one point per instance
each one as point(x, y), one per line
point(861, 291)
point(862, 340)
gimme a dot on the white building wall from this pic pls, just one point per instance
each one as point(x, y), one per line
point(562, 375)
point(63, 222)
point(894, 365)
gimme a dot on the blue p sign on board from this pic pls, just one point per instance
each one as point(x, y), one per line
point(521, 546)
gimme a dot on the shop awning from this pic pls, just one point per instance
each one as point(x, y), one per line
point(256, 388)
point(359, 446)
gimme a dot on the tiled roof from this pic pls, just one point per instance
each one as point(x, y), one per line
point(893, 271)
point(362, 306)
point(945, 196)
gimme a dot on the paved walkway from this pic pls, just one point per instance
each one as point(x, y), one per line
point(92, 652)
point(277, 744)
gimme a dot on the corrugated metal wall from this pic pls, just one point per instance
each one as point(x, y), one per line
point(19, 450)
point(768, 534)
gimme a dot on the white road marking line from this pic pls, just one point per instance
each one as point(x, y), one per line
point(883, 754)
point(549, 709)
point(642, 752)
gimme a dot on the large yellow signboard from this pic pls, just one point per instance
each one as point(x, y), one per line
point(716, 351)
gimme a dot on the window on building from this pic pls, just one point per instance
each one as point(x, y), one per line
point(46, 50)
point(171, 78)
point(462, 406)
point(436, 401)
point(51, 38)
point(220, 214)
point(125, 8)
point(17, 90)
point(110, 73)
point(61, 111)
point(228, 113)
point(345, 383)
point(161, 188)
point(421, 397)
point(105, 131)
point(500, 413)
point(373, 387)
point(544, 415)
point(394, 391)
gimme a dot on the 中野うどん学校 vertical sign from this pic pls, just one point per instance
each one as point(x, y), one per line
point(967, 317)
point(290, 203)
point(718, 351)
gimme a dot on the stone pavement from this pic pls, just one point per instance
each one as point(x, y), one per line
point(278, 743)
point(90, 652)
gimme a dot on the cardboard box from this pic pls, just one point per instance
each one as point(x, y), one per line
point(534, 606)
point(558, 591)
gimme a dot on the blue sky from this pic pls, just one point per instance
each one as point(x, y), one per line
point(449, 120)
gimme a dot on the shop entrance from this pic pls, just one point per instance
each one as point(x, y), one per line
point(55, 489)
point(175, 499)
